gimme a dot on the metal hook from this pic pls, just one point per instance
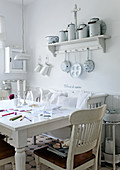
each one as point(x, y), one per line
point(87, 53)
point(39, 60)
point(65, 55)
point(47, 60)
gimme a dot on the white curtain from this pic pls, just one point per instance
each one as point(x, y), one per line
point(2, 28)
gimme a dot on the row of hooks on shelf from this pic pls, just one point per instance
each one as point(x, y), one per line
point(73, 50)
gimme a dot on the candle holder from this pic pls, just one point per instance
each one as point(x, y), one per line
point(19, 97)
point(24, 97)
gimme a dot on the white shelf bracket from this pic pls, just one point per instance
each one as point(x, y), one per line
point(102, 44)
point(52, 49)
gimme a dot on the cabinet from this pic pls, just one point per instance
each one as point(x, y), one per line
point(11, 65)
point(93, 43)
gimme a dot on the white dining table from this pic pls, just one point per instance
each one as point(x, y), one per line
point(21, 130)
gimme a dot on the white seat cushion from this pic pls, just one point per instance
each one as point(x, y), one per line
point(55, 95)
point(67, 101)
point(82, 100)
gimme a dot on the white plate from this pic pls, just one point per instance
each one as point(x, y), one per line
point(103, 27)
point(76, 70)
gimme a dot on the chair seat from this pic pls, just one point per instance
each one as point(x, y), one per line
point(61, 161)
point(6, 150)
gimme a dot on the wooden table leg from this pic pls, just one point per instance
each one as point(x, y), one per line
point(34, 140)
point(20, 159)
point(113, 147)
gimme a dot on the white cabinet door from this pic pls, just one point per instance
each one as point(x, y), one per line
point(11, 65)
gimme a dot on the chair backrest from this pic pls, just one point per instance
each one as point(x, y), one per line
point(3, 94)
point(86, 132)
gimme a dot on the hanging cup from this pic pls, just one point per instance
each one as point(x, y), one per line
point(46, 70)
point(38, 68)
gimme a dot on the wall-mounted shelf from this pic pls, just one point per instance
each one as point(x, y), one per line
point(93, 43)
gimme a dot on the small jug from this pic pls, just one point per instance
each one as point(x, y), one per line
point(71, 31)
point(38, 68)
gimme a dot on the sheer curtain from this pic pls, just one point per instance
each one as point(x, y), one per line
point(2, 31)
point(2, 41)
point(2, 28)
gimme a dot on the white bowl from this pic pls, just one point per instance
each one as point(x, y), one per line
point(52, 39)
point(109, 158)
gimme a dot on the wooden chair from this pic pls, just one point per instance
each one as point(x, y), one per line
point(84, 143)
point(3, 96)
point(7, 153)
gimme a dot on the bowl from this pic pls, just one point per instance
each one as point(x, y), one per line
point(52, 39)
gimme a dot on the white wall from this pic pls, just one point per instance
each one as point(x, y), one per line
point(12, 14)
point(45, 17)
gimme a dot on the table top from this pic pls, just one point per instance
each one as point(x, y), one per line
point(32, 112)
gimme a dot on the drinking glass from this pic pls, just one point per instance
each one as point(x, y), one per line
point(29, 96)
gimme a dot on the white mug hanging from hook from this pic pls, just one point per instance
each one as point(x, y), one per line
point(45, 71)
point(39, 66)
point(66, 65)
point(49, 66)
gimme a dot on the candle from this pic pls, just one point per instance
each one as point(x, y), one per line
point(24, 85)
point(18, 85)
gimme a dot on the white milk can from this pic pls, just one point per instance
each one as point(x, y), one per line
point(82, 31)
point(71, 31)
point(94, 27)
point(63, 35)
